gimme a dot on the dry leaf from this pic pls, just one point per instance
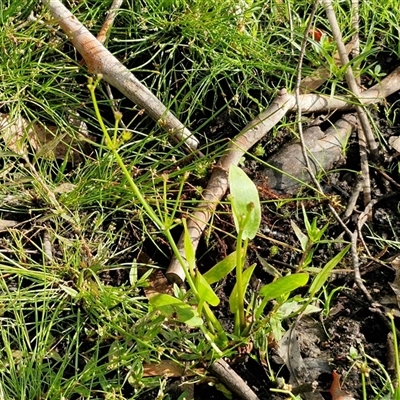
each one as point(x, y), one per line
point(45, 140)
point(6, 223)
point(170, 369)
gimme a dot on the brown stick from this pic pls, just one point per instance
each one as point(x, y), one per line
point(108, 23)
point(232, 380)
point(101, 62)
point(365, 135)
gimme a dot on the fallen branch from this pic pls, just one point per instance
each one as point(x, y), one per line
point(261, 125)
point(232, 380)
point(101, 62)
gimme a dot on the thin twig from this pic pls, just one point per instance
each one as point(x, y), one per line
point(365, 135)
point(356, 267)
point(318, 103)
point(102, 36)
point(108, 23)
point(297, 93)
point(353, 199)
point(355, 8)
point(350, 78)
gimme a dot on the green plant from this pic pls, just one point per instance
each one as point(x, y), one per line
point(246, 212)
point(309, 241)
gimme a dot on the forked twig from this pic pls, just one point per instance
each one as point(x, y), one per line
point(218, 183)
point(101, 62)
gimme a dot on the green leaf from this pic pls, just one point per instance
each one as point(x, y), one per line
point(70, 291)
point(267, 267)
point(280, 287)
point(221, 269)
point(324, 274)
point(283, 285)
point(233, 299)
point(170, 307)
point(245, 203)
point(303, 238)
point(206, 292)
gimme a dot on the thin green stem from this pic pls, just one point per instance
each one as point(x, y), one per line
point(162, 226)
point(113, 147)
point(239, 283)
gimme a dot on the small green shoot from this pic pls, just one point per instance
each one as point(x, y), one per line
point(246, 210)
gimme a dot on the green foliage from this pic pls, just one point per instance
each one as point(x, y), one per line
point(280, 287)
point(246, 209)
point(170, 306)
point(220, 270)
point(324, 274)
point(66, 332)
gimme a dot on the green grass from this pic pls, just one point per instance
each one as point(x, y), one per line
point(66, 332)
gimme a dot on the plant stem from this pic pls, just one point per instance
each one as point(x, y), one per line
point(164, 227)
point(239, 282)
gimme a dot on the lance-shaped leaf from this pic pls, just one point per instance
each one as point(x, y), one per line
point(245, 203)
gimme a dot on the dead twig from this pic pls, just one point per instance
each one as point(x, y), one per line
point(102, 36)
point(304, 149)
point(351, 204)
point(232, 380)
point(108, 23)
point(366, 135)
point(101, 62)
point(355, 8)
